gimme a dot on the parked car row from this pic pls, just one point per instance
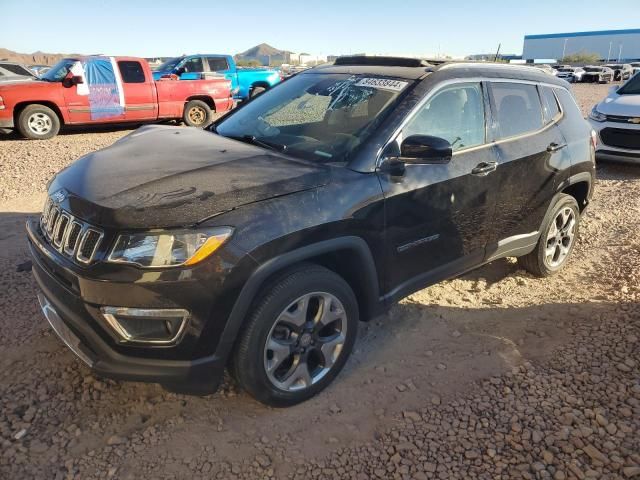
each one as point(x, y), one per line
point(99, 89)
point(596, 73)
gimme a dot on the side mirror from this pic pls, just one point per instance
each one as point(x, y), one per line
point(425, 149)
point(70, 80)
point(179, 71)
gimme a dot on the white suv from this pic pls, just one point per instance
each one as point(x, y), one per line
point(616, 119)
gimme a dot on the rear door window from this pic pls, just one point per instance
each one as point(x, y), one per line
point(217, 64)
point(549, 104)
point(516, 109)
point(454, 113)
point(131, 72)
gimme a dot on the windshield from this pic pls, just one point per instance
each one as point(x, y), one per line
point(593, 69)
point(58, 71)
point(169, 64)
point(315, 116)
point(632, 87)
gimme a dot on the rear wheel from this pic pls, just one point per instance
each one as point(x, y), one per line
point(38, 122)
point(255, 91)
point(298, 337)
point(558, 235)
point(197, 114)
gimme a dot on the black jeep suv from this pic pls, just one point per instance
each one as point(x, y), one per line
point(259, 244)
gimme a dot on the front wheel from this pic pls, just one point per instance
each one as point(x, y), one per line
point(297, 338)
point(558, 236)
point(197, 114)
point(38, 122)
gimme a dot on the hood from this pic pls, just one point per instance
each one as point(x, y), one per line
point(623, 105)
point(159, 176)
point(21, 83)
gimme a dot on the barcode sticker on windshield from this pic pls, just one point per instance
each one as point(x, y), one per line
point(384, 83)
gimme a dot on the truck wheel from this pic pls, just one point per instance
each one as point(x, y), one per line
point(197, 114)
point(297, 338)
point(558, 236)
point(38, 122)
point(255, 91)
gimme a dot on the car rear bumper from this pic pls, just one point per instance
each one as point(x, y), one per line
point(69, 316)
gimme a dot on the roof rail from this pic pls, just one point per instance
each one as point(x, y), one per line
point(510, 66)
point(381, 61)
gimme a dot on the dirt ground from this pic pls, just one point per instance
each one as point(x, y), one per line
point(495, 374)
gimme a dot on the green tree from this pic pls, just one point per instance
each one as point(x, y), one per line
point(248, 63)
point(581, 57)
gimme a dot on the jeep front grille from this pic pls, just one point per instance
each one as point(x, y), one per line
point(70, 236)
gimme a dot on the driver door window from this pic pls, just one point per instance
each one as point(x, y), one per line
point(455, 113)
point(193, 65)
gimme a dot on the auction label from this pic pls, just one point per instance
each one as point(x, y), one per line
point(384, 83)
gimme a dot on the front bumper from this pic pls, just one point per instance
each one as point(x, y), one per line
point(611, 152)
point(75, 322)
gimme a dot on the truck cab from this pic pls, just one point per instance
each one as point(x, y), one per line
point(245, 82)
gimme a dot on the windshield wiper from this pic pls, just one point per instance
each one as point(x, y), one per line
point(260, 143)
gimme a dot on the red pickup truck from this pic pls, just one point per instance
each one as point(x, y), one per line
point(99, 89)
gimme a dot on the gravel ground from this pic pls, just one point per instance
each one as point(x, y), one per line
point(495, 374)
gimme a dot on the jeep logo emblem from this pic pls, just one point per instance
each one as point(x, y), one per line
point(59, 196)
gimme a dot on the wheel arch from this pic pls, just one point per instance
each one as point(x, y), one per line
point(260, 83)
point(349, 257)
point(204, 98)
point(19, 107)
point(579, 187)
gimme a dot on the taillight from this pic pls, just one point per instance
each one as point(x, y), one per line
point(594, 139)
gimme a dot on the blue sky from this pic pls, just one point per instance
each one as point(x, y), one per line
point(165, 28)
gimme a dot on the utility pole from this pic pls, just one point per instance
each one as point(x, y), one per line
point(609, 55)
point(564, 48)
point(495, 59)
point(620, 54)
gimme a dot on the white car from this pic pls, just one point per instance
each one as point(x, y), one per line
point(616, 120)
point(570, 74)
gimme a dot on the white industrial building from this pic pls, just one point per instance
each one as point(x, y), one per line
point(610, 45)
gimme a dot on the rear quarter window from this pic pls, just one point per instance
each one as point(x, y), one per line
point(217, 64)
point(516, 109)
point(549, 104)
point(131, 71)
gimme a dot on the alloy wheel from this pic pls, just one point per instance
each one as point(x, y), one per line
point(560, 237)
point(305, 341)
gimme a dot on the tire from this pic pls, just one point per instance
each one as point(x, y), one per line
point(541, 262)
point(197, 114)
point(255, 91)
point(305, 357)
point(37, 122)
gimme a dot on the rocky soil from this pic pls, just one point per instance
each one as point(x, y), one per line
point(495, 374)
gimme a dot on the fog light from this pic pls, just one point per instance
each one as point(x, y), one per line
point(162, 326)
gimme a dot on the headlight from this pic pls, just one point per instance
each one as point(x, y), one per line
point(596, 115)
point(168, 248)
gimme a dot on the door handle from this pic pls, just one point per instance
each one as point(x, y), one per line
point(484, 168)
point(554, 147)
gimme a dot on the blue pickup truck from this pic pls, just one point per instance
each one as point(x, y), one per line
point(245, 82)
